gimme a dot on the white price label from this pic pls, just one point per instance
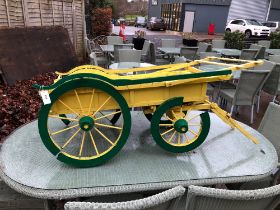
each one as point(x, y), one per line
point(45, 96)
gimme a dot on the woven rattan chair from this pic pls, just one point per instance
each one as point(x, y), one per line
point(157, 59)
point(145, 50)
point(249, 54)
point(112, 40)
point(218, 43)
point(117, 47)
point(261, 50)
point(247, 88)
point(129, 55)
point(165, 200)
point(98, 61)
point(264, 43)
point(202, 198)
point(203, 47)
point(168, 43)
point(188, 52)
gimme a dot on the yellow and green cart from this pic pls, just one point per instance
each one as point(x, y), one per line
point(94, 106)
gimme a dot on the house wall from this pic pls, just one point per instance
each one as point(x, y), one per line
point(28, 13)
point(206, 14)
point(274, 15)
point(154, 10)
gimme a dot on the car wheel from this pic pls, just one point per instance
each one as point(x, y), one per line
point(248, 34)
point(228, 30)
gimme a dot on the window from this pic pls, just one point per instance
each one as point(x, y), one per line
point(154, 2)
point(172, 15)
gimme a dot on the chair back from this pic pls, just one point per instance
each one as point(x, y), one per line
point(249, 84)
point(112, 40)
point(274, 58)
point(261, 52)
point(145, 48)
point(93, 59)
point(152, 54)
point(201, 198)
point(270, 125)
point(203, 55)
point(249, 54)
point(203, 47)
point(218, 43)
point(117, 47)
point(168, 43)
point(88, 46)
point(264, 43)
point(188, 52)
point(129, 55)
point(167, 200)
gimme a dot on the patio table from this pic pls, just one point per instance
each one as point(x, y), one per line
point(227, 156)
point(170, 52)
point(273, 51)
point(228, 52)
point(107, 48)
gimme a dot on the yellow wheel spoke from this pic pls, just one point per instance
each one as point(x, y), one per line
point(176, 117)
point(194, 124)
point(179, 138)
point(104, 136)
point(66, 129)
point(108, 126)
point(107, 115)
point(166, 132)
point(78, 98)
point(169, 140)
point(71, 138)
point(93, 142)
point(68, 107)
point(169, 118)
point(193, 117)
point(63, 118)
point(186, 137)
point(82, 144)
point(165, 125)
point(91, 99)
point(102, 105)
point(196, 134)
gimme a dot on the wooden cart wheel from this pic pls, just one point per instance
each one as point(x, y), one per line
point(90, 139)
point(187, 130)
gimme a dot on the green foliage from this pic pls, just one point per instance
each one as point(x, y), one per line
point(101, 21)
point(275, 40)
point(234, 40)
point(101, 3)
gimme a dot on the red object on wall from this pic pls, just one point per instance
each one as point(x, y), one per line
point(211, 29)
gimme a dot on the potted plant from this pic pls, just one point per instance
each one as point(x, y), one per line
point(189, 40)
point(138, 39)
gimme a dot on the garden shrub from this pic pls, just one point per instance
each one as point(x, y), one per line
point(275, 40)
point(101, 21)
point(234, 40)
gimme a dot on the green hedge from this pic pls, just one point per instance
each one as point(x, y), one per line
point(234, 40)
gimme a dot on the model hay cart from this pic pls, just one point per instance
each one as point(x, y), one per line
point(85, 119)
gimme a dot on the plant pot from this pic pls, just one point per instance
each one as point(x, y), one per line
point(138, 43)
point(190, 42)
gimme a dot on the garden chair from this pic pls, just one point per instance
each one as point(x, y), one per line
point(157, 59)
point(249, 54)
point(130, 55)
point(202, 198)
point(117, 47)
point(168, 43)
point(274, 58)
point(261, 52)
point(271, 84)
point(188, 52)
point(269, 128)
point(203, 47)
point(218, 43)
point(244, 94)
point(168, 200)
point(98, 61)
point(145, 50)
point(264, 43)
point(112, 40)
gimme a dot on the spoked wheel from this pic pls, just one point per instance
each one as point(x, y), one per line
point(187, 130)
point(90, 139)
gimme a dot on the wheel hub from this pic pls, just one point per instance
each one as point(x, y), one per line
point(86, 123)
point(181, 126)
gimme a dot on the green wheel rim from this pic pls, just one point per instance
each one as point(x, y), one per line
point(157, 135)
point(72, 85)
